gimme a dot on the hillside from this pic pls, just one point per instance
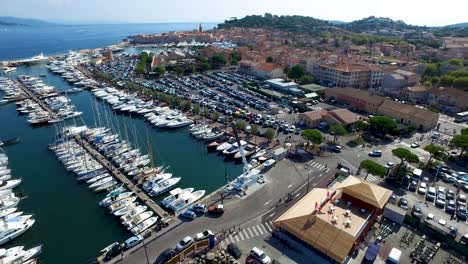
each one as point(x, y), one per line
point(370, 27)
point(300, 24)
point(378, 23)
point(459, 25)
point(22, 22)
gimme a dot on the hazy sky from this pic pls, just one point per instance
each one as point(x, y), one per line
point(418, 12)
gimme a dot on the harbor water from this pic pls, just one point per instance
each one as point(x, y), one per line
point(70, 224)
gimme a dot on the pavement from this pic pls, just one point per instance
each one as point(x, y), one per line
point(255, 211)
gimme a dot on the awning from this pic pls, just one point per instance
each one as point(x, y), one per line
point(372, 252)
point(311, 95)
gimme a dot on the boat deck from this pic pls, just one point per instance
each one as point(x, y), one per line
point(122, 178)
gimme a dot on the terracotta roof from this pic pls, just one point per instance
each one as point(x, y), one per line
point(313, 115)
point(418, 88)
point(268, 67)
point(345, 116)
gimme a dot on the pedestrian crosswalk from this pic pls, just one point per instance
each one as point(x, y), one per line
point(246, 233)
point(313, 164)
point(372, 178)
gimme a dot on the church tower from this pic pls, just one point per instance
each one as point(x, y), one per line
point(200, 28)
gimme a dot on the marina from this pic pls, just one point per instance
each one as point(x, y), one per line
point(162, 141)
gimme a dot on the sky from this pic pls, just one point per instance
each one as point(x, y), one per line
point(415, 12)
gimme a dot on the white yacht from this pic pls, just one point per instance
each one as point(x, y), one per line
point(179, 122)
point(13, 228)
point(9, 184)
point(113, 199)
point(174, 194)
point(138, 219)
point(163, 186)
point(144, 225)
point(132, 213)
point(186, 199)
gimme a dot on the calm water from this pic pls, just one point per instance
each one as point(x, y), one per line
point(24, 42)
point(70, 224)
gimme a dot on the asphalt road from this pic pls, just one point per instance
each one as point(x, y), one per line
point(261, 202)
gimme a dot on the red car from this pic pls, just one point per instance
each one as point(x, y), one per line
point(216, 209)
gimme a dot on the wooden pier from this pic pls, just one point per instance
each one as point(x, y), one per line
point(123, 179)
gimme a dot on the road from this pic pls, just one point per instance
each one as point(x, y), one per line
point(260, 204)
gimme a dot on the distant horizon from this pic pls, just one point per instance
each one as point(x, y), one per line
point(430, 13)
point(110, 22)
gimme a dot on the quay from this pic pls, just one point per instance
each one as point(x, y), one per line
point(164, 216)
point(32, 96)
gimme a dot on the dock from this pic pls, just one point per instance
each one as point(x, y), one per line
point(41, 103)
point(123, 179)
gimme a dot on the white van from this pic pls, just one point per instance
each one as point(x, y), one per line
point(394, 256)
point(417, 174)
point(131, 242)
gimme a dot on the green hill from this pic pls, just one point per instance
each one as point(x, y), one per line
point(22, 22)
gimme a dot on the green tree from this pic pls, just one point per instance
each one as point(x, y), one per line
point(381, 125)
point(206, 66)
point(235, 58)
point(432, 69)
point(461, 82)
point(240, 124)
point(270, 134)
point(296, 72)
point(337, 130)
point(196, 108)
point(360, 126)
point(254, 132)
point(179, 70)
point(269, 59)
point(446, 80)
point(186, 105)
point(206, 113)
point(306, 79)
point(434, 150)
point(218, 60)
point(215, 116)
point(464, 131)
point(191, 69)
point(312, 135)
point(456, 62)
point(160, 70)
point(460, 142)
point(373, 168)
point(404, 155)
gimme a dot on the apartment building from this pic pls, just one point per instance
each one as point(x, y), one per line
point(361, 76)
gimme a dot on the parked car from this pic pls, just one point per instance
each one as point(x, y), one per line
point(422, 188)
point(431, 194)
point(188, 214)
point(461, 199)
point(450, 194)
point(413, 186)
point(389, 165)
point(403, 203)
point(375, 153)
point(450, 206)
point(203, 235)
point(453, 231)
point(447, 177)
point(184, 243)
point(234, 250)
point(393, 198)
point(417, 211)
point(198, 208)
point(216, 209)
point(114, 251)
point(165, 256)
point(335, 148)
point(461, 212)
point(259, 255)
point(131, 242)
point(440, 200)
point(415, 145)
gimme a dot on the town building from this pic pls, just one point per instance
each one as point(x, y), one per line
point(261, 70)
point(288, 87)
point(108, 54)
point(344, 74)
point(343, 117)
point(399, 79)
point(406, 114)
point(334, 221)
point(448, 99)
point(456, 47)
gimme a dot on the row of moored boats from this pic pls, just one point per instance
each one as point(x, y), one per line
point(13, 223)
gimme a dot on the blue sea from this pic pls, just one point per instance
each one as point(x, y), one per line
point(25, 42)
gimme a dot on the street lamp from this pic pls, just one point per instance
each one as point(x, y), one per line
point(308, 180)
